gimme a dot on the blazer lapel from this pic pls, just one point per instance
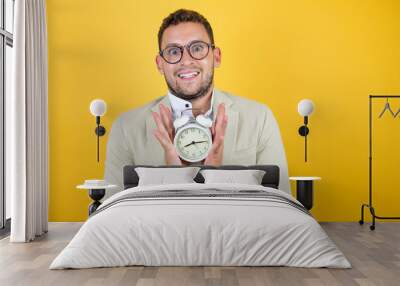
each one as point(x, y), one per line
point(150, 124)
point(156, 155)
point(232, 127)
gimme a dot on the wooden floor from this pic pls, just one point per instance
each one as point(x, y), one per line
point(375, 257)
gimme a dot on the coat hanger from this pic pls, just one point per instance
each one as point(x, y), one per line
point(398, 112)
point(387, 107)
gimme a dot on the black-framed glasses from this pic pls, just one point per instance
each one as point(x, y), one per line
point(198, 50)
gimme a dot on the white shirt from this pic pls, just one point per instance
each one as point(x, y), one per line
point(183, 107)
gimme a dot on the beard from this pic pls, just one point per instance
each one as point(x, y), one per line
point(203, 89)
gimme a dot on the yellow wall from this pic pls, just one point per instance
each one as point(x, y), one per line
point(276, 52)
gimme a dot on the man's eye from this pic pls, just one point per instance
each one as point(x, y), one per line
point(173, 51)
point(197, 48)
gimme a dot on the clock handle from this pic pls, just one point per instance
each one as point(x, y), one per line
point(204, 121)
point(180, 121)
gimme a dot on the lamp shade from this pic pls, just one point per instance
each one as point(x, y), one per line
point(98, 107)
point(305, 107)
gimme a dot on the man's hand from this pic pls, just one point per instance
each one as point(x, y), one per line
point(218, 128)
point(165, 133)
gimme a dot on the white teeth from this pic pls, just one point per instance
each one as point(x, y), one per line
point(187, 75)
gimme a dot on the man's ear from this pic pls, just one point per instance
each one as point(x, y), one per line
point(217, 57)
point(159, 64)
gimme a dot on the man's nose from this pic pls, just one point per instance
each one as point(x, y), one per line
point(186, 58)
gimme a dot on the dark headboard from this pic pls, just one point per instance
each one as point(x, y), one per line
point(270, 179)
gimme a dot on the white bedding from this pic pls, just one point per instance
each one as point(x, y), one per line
point(182, 231)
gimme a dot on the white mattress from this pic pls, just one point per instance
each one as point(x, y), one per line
point(183, 231)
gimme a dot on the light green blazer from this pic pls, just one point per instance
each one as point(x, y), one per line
point(252, 137)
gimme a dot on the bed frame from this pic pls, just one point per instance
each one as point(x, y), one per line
point(270, 179)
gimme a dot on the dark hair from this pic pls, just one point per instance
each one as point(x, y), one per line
point(183, 16)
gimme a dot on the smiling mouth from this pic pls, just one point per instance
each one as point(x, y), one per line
point(188, 75)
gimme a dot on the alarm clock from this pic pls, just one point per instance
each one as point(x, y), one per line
point(193, 138)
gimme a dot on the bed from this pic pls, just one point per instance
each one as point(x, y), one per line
point(201, 224)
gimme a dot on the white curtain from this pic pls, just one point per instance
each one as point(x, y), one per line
point(27, 124)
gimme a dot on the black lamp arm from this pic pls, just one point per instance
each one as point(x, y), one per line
point(303, 131)
point(100, 131)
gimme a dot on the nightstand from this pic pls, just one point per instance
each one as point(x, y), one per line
point(304, 190)
point(96, 193)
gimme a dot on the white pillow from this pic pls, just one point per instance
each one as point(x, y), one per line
point(163, 176)
point(249, 177)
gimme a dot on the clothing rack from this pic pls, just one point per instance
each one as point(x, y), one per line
point(369, 205)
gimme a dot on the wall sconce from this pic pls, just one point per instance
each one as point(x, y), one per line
point(305, 108)
point(98, 107)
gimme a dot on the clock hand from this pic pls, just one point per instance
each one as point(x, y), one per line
point(194, 142)
point(190, 144)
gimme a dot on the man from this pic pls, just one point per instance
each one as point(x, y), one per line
point(244, 132)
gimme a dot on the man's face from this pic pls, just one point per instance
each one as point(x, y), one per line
point(188, 88)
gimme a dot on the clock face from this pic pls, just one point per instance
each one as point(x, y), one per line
point(193, 143)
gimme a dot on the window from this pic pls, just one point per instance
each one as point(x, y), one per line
point(6, 57)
